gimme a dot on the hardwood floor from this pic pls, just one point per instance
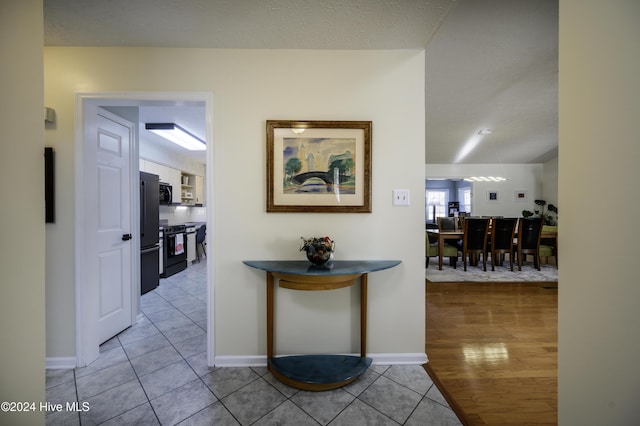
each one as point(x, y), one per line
point(493, 350)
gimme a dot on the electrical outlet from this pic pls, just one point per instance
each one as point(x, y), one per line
point(400, 197)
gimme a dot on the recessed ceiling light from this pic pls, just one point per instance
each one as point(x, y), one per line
point(484, 132)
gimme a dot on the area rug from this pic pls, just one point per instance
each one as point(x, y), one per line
point(547, 273)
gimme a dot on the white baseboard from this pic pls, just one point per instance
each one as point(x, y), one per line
point(399, 359)
point(66, 363)
point(241, 361)
point(377, 359)
point(61, 363)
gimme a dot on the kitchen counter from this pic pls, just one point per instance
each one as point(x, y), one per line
point(196, 224)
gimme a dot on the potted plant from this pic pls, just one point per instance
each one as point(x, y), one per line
point(548, 212)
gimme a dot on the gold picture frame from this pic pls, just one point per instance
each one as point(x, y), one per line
point(318, 166)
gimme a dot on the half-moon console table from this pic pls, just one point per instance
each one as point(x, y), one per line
point(318, 372)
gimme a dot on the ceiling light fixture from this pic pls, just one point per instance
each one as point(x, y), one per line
point(485, 179)
point(177, 135)
point(471, 144)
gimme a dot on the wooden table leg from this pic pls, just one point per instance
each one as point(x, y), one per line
point(363, 315)
point(270, 295)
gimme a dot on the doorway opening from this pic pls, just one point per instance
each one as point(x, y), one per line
point(87, 293)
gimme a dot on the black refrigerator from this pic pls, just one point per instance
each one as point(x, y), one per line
point(149, 231)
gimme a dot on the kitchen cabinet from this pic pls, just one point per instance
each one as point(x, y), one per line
point(200, 190)
point(173, 178)
point(191, 244)
point(188, 189)
point(151, 167)
point(192, 190)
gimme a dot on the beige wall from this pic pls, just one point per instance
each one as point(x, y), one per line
point(550, 182)
point(520, 177)
point(22, 254)
point(598, 343)
point(599, 317)
point(249, 87)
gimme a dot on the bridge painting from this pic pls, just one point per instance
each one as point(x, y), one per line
point(319, 165)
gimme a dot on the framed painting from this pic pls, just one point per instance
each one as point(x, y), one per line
point(319, 166)
point(521, 195)
point(493, 196)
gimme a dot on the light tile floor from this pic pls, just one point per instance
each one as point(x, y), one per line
point(155, 372)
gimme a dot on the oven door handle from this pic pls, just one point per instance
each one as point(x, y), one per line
point(150, 250)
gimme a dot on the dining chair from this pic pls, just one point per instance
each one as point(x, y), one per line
point(549, 246)
point(528, 240)
point(502, 232)
point(474, 241)
point(200, 241)
point(548, 251)
point(432, 250)
point(447, 223)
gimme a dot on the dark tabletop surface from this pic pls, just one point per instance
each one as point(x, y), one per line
point(338, 267)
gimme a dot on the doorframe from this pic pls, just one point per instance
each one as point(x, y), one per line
point(87, 348)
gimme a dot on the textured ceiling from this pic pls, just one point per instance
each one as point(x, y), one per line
point(244, 24)
point(494, 68)
point(489, 63)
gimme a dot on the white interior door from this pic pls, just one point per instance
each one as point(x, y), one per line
point(97, 317)
point(112, 225)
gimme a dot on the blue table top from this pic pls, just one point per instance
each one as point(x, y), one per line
point(338, 267)
point(320, 369)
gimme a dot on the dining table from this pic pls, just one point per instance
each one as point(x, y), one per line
point(458, 234)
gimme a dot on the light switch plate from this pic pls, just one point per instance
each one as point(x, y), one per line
point(400, 197)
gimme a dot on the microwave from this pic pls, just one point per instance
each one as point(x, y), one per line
point(166, 193)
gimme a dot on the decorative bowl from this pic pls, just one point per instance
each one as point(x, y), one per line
point(319, 250)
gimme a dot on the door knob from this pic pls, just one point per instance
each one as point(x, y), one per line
point(126, 237)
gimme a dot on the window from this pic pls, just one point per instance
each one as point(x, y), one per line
point(465, 196)
point(437, 198)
